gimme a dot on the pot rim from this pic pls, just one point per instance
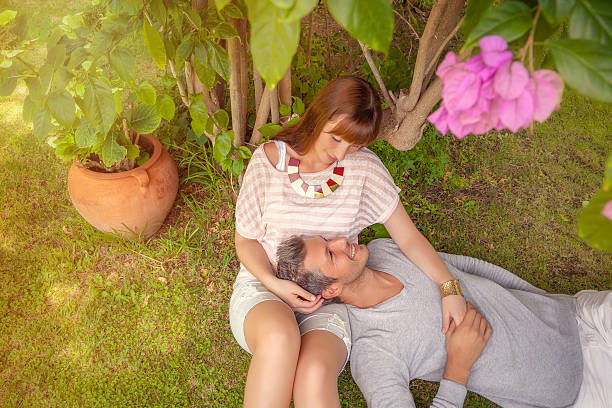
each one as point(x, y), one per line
point(157, 151)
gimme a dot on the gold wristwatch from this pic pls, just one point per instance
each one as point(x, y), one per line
point(451, 287)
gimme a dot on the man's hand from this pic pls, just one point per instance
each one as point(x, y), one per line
point(464, 344)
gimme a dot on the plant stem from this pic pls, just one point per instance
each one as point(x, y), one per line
point(27, 64)
point(408, 23)
point(381, 84)
point(529, 44)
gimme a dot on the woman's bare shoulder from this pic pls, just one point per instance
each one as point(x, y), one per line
point(271, 152)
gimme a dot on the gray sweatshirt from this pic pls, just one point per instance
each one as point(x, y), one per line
point(533, 358)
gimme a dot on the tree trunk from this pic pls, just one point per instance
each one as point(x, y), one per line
point(236, 48)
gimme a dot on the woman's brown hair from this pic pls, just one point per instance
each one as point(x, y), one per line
point(346, 95)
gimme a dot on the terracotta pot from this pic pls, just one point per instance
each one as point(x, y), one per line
point(130, 202)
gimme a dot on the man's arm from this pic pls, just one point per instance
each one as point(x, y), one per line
point(464, 345)
point(384, 381)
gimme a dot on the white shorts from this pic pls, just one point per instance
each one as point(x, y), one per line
point(249, 292)
point(594, 316)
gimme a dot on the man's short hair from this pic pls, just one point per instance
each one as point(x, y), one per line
point(291, 254)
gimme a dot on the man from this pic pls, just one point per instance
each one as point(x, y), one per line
point(534, 358)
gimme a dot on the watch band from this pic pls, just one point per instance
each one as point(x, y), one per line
point(451, 287)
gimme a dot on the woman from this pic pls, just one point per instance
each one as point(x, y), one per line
point(315, 178)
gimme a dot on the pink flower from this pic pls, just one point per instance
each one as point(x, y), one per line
point(510, 80)
point(607, 210)
point(490, 91)
point(440, 120)
point(548, 92)
point(460, 90)
point(494, 50)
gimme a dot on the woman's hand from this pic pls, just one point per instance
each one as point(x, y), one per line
point(298, 299)
point(453, 306)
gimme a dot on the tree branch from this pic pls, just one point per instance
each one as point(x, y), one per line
point(381, 84)
point(262, 116)
point(432, 64)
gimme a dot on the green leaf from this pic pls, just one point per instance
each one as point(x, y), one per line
point(219, 60)
point(110, 151)
point(144, 119)
point(30, 107)
point(298, 106)
point(273, 42)
point(98, 105)
point(77, 57)
point(244, 152)
point(370, 21)
point(223, 146)
point(85, 135)
point(199, 117)
point(158, 10)
point(185, 48)
point(42, 124)
point(118, 102)
point(124, 62)
point(284, 110)
point(237, 166)
point(132, 152)
point(269, 129)
point(154, 44)
point(203, 69)
point(146, 93)
point(7, 16)
point(221, 4)
point(225, 30)
point(56, 55)
point(285, 4)
point(300, 10)
point(226, 163)
point(143, 158)
point(608, 174)
point(556, 11)
point(585, 66)
point(592, 20)
point(593, 226)
point(165, 106)
point(510, 20)
point(62, 107)
point(232, 11)
point(222, 118)
point(473, 13)
point(380, 231)
point(7, 86)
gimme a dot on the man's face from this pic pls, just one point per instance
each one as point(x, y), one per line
point(336, 258)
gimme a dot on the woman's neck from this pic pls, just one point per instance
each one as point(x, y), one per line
point(309, 163)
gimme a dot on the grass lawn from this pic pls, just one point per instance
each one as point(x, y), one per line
point(90, 320)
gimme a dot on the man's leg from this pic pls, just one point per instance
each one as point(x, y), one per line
point(594, 315)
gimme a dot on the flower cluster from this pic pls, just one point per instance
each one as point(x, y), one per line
point(490, 91)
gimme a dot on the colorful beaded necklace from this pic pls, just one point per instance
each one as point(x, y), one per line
point(313, 191)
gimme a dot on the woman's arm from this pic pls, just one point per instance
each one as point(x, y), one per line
point(254, 258)
point(416, 247)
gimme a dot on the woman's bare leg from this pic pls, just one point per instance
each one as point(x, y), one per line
point(273, 337)
point(321, 358)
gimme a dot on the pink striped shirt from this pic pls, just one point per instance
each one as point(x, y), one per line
point(270, 211)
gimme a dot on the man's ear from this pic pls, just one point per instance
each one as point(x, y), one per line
point(331, 291)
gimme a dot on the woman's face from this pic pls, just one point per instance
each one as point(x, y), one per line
point(329, 148)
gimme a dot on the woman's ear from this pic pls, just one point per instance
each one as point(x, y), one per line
point(331, 291)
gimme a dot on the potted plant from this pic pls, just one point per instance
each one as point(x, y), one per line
point(85, 101)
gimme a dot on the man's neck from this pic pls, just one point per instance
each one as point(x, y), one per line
point(373, 287)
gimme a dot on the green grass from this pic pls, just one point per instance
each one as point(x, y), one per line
point(89, 320)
